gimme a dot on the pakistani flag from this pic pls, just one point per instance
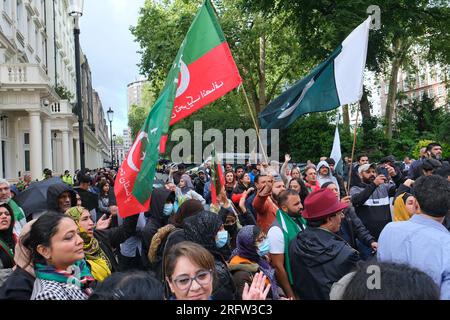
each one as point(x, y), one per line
point(336, 154)
point(336, 81)
point(202, 72)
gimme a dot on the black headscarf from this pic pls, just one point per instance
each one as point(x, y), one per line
point(8, 238)
point(189, 208)
point(202, 229)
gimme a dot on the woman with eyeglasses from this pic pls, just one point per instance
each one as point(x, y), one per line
point(251, 257)
point(7, 241)
point(191, 274)
point(206, 229)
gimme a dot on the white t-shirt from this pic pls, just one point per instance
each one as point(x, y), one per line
point(276, 240)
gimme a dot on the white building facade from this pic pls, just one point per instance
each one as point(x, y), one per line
point(38, 128)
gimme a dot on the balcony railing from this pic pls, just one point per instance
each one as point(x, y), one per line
point(22, 73)
point(62, 107)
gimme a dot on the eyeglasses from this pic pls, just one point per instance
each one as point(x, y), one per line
point(184, 282)
point(6, 213)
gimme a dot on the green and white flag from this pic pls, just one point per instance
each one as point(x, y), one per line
point(336, 154)
point(335, 82)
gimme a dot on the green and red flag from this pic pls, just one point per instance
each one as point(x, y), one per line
point(217, 177)
point(203, 71)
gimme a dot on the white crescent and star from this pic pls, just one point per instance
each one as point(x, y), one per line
point(287, 112)
point(130, 162)
point(185, 79)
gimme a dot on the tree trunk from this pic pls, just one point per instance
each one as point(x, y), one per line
point(262, 72)
point(346, 117)
point(399, 53)
point(364, 105)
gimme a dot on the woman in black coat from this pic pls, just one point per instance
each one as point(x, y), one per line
point(156, 219)
point(7, 238)
point(203, 229)
point(19, 285)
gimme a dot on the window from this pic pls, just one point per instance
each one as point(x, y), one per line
point(27, 160)
point(440, 90)
point(386, 88)
point(421, 93)
point(431, 93)
point(19, 14)
point(30, 30)
point(26, 148)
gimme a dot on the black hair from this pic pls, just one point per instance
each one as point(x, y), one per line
point(395, 282)
point(8, 235)
point(41, 233)
point(326, 184)
point(361, 155)
point(433, 195)
point(259, 175)
point(444, 171)
point(330, 161)
point(238, 167)
point(432, 145)
point(130, 285)
point(316, 223)
point(284, 196)
point(85, 178)
point(303, 189)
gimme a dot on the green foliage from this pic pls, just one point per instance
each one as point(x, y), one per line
point(136, 119)
point(118, 140)
point(308, 138)
point(423, 143)
point(63, 93)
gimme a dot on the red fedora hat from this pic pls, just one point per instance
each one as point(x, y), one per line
point(320, 204)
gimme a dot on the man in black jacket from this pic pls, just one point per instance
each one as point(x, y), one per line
point(156, 219)
point(319, 257)
point(60, 197)
point(352, 228)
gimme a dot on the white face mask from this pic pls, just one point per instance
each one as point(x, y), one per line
point(168, 209)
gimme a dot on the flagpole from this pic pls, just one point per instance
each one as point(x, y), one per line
point(353, 154)
point(254, 122)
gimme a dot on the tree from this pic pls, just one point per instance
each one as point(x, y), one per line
point(136, 118)
point(404, 24)
point(265, 49)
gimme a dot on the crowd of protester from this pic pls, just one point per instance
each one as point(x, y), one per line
point(276, 232)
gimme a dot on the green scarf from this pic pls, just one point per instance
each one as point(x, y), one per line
point(7, 249)
point(290, 227)
point(18, 212)
point(81, 276)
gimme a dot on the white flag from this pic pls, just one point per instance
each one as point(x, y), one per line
point(336, 151)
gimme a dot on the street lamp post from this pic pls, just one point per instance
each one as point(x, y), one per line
point(76, 11)
point(110, 114)
point(116, 157)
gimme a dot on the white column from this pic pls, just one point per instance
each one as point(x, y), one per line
point(1, 171)
point(47, 144)
point(35, 145)
point(65, 150)
point(71, 155)
point(77, 154)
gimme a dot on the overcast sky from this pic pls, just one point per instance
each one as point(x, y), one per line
point(111, 51)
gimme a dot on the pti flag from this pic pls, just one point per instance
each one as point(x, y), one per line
point(217, 178)
point(336, 81)
point(202, 72)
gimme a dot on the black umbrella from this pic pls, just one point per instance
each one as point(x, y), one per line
point(34, 198)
